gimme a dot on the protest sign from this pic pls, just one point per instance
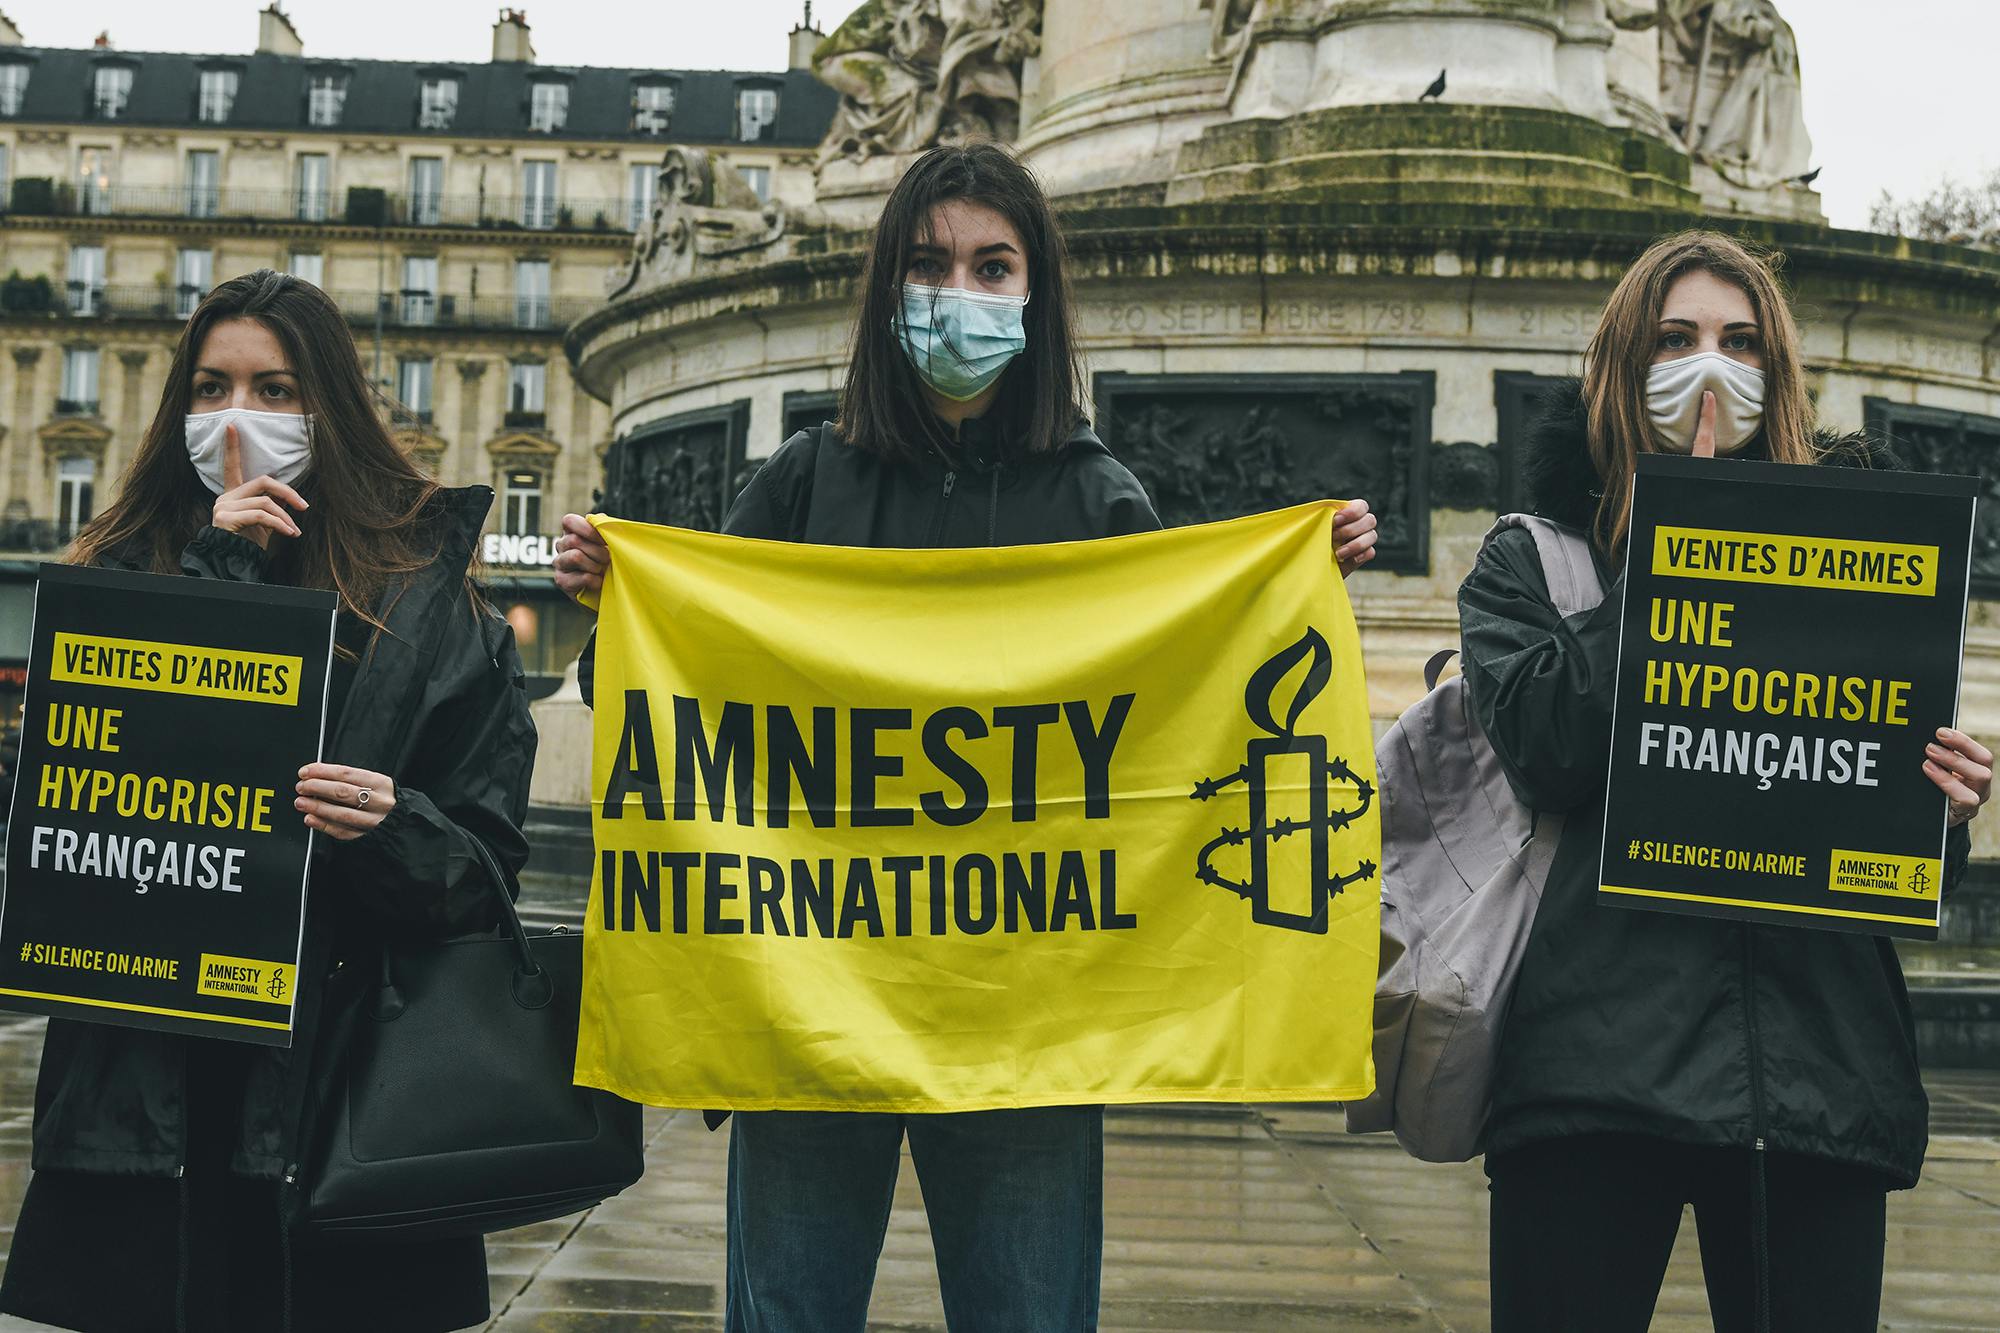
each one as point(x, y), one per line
point(1791, 640)
point(963, 829)
point(156, 868)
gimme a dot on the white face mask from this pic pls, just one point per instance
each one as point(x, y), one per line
point(1673, 401)
point(272, 444)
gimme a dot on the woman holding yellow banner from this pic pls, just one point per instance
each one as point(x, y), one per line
point(1765, 1075)
point(166, 1166)
point(961, 424)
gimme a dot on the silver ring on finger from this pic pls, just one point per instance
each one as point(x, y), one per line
point(361, 799)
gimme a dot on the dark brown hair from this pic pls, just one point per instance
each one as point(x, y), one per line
point(1038, 403)
point(1621, 352)
point(363, 532)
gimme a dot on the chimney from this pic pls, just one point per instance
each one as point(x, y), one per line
point(805, 40)
point(102, 42)
point(510, 39)
point(10, 35)
point(275, 34)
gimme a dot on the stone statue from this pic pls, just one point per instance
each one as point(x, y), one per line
point(1730, 76)
point(702, 211)
point(913, 73)
point(1229, 27)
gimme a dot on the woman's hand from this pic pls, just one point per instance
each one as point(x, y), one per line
point(344, 802)
point(1353, 536)
point(250, 508)
point(581, 558)
point(1962, 768)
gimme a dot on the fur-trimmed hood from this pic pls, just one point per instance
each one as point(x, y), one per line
point(1559, 482)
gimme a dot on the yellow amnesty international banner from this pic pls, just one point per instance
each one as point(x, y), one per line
point(957, 830)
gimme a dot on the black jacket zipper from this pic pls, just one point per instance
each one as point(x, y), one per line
point(1759, 1214)
point(944, 503)
point(1750, 1036)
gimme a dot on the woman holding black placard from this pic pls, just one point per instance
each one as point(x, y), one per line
point(1765, 1075)
point(165, 1165)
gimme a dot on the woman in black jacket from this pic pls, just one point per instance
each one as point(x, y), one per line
point(1767, 1075)
point(961, 424)
point(165, 1166)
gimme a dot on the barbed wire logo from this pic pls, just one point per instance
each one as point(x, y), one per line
point(1321, 821)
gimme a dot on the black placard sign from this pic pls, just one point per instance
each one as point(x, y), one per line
point(1791, 641)
point(156, 868)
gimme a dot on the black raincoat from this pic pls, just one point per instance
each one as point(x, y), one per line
point(1686, 1028)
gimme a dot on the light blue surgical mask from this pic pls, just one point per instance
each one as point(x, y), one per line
point(960, 341)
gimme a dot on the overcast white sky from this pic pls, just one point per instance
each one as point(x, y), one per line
point(1896, 95)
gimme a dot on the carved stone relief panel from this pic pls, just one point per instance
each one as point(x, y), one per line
point(1965, 444)
point(1464, 475)
point(683, 470)
point(1217, 446)
point(806, 409)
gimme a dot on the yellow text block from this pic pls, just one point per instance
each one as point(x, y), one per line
point(1887, 876)
point(244, 979)
point(176, 668)
point(1799, 562)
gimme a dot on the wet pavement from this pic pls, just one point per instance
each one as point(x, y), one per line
point(1260, 1219)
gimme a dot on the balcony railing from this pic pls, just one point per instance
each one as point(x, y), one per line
point(85, 298)
point(357, 207)
point(399, 309)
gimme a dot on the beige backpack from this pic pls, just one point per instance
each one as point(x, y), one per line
point(1463, 865)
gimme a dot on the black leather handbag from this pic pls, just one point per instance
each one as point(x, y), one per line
point(448, 1108)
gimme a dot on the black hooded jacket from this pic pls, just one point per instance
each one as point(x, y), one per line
point(1686, 1028)
point(438, 704)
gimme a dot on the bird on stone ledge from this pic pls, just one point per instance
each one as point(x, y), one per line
point(1809, 177)
point(1435, 91)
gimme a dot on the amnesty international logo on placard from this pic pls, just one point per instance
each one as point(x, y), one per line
point(912, 830)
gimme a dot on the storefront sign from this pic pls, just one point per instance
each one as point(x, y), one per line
point(508, 548)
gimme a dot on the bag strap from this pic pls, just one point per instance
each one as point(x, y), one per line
point(1568, 564)
point(532, 986)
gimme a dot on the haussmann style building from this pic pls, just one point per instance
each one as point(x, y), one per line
point(461, 214)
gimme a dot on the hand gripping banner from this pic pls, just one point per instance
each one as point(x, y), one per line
point(955, 830)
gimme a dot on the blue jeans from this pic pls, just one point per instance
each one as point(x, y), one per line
point(1015, 1200)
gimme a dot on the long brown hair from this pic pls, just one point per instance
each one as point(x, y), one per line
point(363, 532)
point(882, 406)
point(1621, 352)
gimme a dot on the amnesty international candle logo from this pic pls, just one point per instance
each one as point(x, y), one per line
point(1281, 768)
point(156, 868)
point(911, 830)
point(1791, 640)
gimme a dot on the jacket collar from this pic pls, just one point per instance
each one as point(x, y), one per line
point(983, 447)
